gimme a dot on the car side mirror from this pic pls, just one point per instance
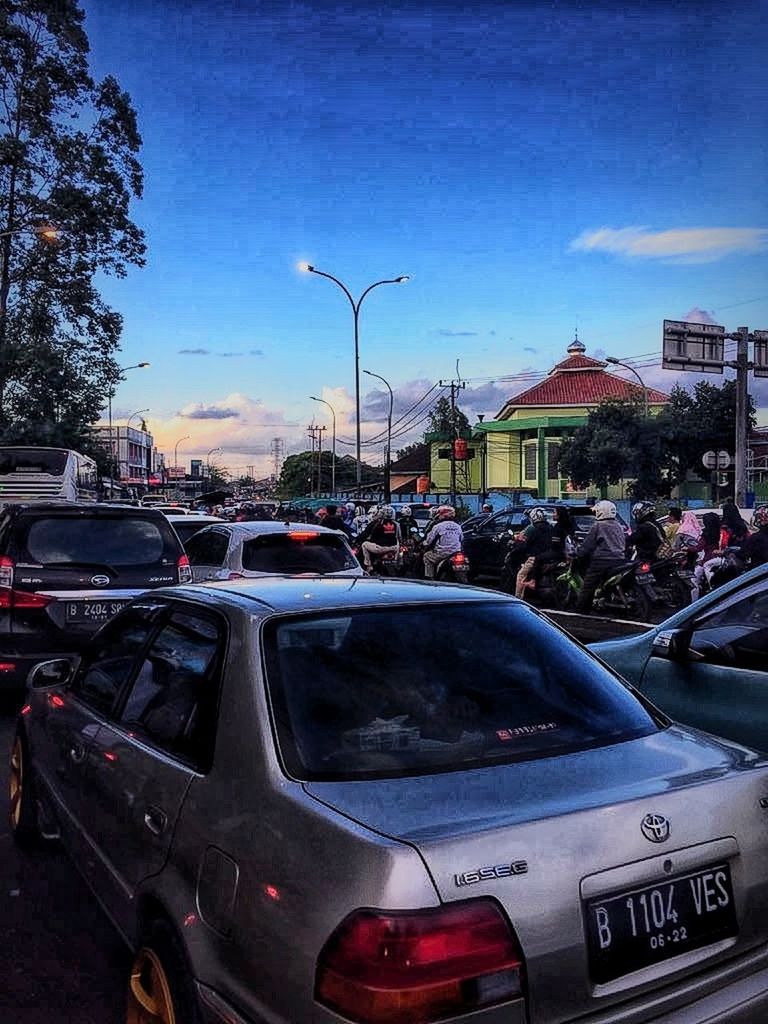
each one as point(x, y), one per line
point(57, 672)
point(675, 645)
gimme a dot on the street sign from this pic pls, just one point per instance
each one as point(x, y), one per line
point(716, 460)
point(689, 346)
point(760, 353)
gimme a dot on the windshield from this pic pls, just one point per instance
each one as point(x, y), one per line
point(105, 540)
point(297, 552)
point(32, 460)
point(461, 686)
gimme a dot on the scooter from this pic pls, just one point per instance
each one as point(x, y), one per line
point(623, 591)
point(453, 568)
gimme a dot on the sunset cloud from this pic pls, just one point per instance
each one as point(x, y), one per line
point(675, 245)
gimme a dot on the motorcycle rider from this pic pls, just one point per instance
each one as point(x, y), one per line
point(380, 536)
point(647, 535)
point(443, 540)
point(605, 547)
point(536, 541)
point(755, 548)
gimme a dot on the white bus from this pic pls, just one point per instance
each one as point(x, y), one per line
point(44, 474)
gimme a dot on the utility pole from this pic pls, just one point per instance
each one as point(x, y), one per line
point(320, 459)
point(312, 431)
point(277, 451)
point(455, 385)
point(699, 347)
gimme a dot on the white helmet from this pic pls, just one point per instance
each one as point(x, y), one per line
point(537, 515)
point(350, 505)
point(605, 510)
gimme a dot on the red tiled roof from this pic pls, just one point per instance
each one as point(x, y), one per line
point(580, 380)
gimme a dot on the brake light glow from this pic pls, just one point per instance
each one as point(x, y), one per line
point(234, 576)
point(6, 571)
point(459, 558)
point(26, 709)
point(645, 567)
point(397, 967)
point(185, 572)
point(22, 599)
point(302, 535)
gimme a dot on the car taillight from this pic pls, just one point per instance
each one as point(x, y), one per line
point(6, 571)
point(22, 599)
point(185, 572)
point(302, 535)
point(399, 967)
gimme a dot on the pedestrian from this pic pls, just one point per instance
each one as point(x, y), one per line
point(674, 517)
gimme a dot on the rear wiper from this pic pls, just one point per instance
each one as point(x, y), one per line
point(81, 565)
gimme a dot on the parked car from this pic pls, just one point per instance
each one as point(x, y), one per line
point(187, 526)
point(708, 664)
point(68, 567)
point(289, 819)
point(485, 548)
point(266, 548)
point(419, 510)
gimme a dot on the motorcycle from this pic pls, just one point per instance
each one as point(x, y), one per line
point(453, 568)
point(668, 582)
point(622, 591)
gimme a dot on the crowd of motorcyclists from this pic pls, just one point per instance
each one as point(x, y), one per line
point(675, 562)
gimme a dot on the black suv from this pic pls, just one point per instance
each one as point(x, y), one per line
point(67, 567)
point(483, 541)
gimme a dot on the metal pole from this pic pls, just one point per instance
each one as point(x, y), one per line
point(454, 435)
point(742, 404)
point(388, 455)
point(618, 362)
point(333, 443)
point(111, 450)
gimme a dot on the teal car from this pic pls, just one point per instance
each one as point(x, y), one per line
point(707, 665)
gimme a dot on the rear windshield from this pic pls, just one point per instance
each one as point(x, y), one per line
point(414, 690)
point(21, 460)
point(112, 541)
point(185, 530)
point(297, 552)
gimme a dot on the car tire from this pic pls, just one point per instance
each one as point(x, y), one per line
point(160, 988)
point(23, 799)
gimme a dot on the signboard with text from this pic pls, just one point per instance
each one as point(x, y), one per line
point(689, 346)
point(760, 353)
point(174, 473)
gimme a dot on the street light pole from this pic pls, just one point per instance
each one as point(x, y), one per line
point(110, 395)
point(137, 413)
point(618, 362)
point(208, 459)
point(333, 442)
point(388, 459)
point(176, 459)
point(356, 315)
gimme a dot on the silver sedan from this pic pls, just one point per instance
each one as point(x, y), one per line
point(316, 801)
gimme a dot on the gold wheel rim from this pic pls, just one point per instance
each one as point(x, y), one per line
point(17, 782)
point(149, 994)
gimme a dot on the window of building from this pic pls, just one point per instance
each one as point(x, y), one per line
point(529, 461)
point(553, 461)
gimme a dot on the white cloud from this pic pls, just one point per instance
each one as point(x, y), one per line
point(675, 245)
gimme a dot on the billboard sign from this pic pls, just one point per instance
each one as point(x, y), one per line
point(760, 353)
point(689, 346)
point(174, 473)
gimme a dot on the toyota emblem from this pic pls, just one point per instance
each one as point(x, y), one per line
point(99, 581)
point(655, 828)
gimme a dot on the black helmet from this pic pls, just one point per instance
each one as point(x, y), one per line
point(643, 510)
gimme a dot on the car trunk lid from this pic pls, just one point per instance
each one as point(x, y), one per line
point(562, 843)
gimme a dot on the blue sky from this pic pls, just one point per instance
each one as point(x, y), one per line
point(533, 166)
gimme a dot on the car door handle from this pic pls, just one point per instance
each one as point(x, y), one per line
point(77, 753)
point(155, 820)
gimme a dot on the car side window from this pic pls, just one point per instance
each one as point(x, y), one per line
point(173, 701)
point(108, 666)
point(736, 635)
point(208, 548)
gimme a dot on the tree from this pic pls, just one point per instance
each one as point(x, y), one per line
point(444, 420)
point(699, 421)
point(68, 150)
point(617, 442)
point(298, 476)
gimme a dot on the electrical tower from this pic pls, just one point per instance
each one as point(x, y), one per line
point(277, 453)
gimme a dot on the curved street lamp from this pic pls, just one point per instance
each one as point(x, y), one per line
point(618, 362)
point(208, 459)
point(137, 413)
point(388, 459)
point(333, 443)
point(308, 268)
point(110, 395)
